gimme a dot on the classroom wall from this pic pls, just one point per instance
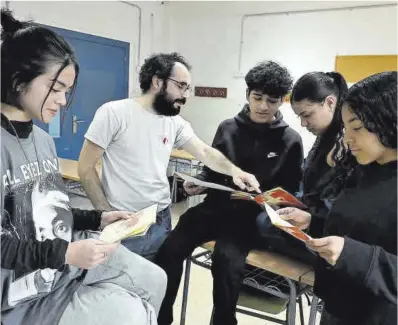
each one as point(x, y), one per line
point(208, 34)
point(112, 19)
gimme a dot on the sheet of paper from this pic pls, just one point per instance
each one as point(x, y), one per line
point(147, 215)
point(124, 228)
point(277, 221)
point(204, 184)
point(243, 196)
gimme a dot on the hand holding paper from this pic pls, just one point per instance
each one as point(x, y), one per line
point(192, 189)
point(88, 253)
point(134, 226)
point(277, 221)
point(296, 217)
point(245, 180)
point(109, 217)
point(329, 248)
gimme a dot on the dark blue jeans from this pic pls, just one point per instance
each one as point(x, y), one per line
point(148, 245)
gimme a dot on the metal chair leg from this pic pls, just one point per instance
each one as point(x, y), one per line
point(174, 190)
point(300, 302)
point(308, 299)
point(313, 310)
point(185, 291)
point(291, 311)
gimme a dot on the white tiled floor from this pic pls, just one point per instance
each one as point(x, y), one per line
point(200, 290)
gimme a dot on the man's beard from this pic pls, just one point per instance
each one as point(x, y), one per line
point(164, 106)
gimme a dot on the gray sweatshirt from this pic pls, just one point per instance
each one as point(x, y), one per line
point(36, 226)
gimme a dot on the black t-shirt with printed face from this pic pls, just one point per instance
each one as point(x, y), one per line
point(35, 209)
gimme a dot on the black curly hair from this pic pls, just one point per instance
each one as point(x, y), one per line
point(374, 101)
point(269, 77)
point(159, 65)
point(27, 51)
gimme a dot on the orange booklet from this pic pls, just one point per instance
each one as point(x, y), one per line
point(277, 196)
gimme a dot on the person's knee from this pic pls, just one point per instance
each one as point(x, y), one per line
point(162, 283)
point(132, 310)
point(103, 303)
point(158, 280)
point(174, 249)
point(136, 314)
point(264, 224)
point(228, 258)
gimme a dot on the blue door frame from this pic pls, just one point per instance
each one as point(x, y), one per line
point(103, 77)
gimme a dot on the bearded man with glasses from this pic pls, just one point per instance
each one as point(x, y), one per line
point(134, 138)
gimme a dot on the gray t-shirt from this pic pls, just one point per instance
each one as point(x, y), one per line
point(34, 206)
point(137, 147)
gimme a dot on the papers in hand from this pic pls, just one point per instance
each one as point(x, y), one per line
point(277, 221)
point(130, 227)
point(277, 196)
point(198, 182)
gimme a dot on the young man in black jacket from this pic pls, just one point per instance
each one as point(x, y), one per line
point(259, 141)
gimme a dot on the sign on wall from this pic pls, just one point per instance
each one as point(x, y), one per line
point(210, 92)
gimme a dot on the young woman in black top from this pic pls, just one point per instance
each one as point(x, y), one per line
point(356, 273)
point(317, 99)
point(54, 269)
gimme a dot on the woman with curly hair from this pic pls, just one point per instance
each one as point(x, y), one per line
point(356, 272)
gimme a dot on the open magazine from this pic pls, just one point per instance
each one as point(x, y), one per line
point(125, 228)
point(277, 221)
point(277, 196)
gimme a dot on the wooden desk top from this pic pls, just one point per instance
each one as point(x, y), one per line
point(69, 167)
point(278, 264)
point(181, 154)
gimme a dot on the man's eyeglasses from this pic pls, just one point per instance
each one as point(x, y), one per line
point(183, 86)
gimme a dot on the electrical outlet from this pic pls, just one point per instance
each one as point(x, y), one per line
point(238, 75)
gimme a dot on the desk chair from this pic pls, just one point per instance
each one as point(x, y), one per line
point(262, 291)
